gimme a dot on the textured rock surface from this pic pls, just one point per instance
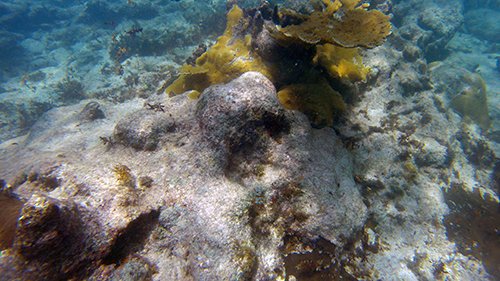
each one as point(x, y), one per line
point(235, 176)
point(234, 187)
point(430, 24)
point(484, 24)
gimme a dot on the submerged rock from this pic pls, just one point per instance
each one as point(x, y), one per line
point(238, 177)
point(483, 23)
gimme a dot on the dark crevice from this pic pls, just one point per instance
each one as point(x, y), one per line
point(132, 238)
point(473, 225)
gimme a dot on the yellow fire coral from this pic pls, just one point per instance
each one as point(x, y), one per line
point(349, 4)
point(331, 6)
point(123, 175)
point(318, 101)
point(328, 37)
point(343, 63)
point(230, 57)
point(356, 27)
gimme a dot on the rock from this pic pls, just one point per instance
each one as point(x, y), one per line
point(233, 116)
point(9, 214)
point(483, 23)
point(412, 81)
point(411, 53)
point(135, 269)
point(430, 26)
point(92, 111)
point(236, 176)
point(45, 229)
point(433, 154)
point(48, 238)
point(142, 129)
point(18, 114)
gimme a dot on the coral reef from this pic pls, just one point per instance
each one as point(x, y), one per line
point(224, 61)
point(251, 42)
point(223, 182)
point(318, 101)
point(356, 27)
point(340, 62)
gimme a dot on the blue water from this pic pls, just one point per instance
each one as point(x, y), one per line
point(59, 52)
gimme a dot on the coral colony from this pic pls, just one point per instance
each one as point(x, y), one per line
point(303, 55)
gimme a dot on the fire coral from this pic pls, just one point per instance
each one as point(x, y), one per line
point(294, 51)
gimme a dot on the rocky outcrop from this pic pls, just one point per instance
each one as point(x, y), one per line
point(233, 178)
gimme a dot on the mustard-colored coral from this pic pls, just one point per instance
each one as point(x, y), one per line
point(228, 58)
point(317, 100)
point(340, 62)
point(354, 28)
point(328, 37)
point(331, 6)
point(349, 4)
point(194, 95)
point(472, 102)
point(123, 175)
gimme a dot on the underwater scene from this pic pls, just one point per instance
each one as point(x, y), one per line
point(249, 140)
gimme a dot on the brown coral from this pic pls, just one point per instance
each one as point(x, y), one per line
point(341, 63)
point(228, 58)
point(357, 27)
point(316, 100)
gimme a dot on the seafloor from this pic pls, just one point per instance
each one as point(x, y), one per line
point(104, 176)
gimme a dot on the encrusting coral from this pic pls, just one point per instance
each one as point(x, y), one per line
point(289, 48)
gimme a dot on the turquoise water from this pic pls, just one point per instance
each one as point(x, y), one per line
point(62, 53)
